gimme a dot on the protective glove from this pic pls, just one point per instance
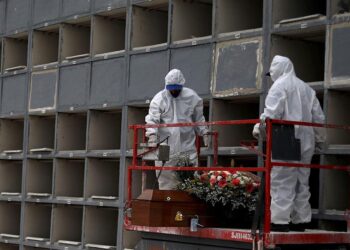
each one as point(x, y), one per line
point(263, 121)
point(152, 138)
point(256, 131)
point(319, 146)
point(206, 140)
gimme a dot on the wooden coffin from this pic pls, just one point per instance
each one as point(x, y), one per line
point(158, 208)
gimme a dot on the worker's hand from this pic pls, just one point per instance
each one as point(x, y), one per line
point(256, 131)
point(319, 146)
point(206, 140)
point(263, 121)
point(152, 138)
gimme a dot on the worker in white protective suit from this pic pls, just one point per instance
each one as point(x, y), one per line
point(290, 98)
point(175, 104)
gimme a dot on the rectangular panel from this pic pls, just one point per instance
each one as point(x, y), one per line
point(75, 40)
point(74, 7)
point(10, 177)
point(231, 15)
point(224, 110)
point(10, 218)
point(2, 16)
point(44, 10)
point(104, 130)
point(69, 178)
point(15, 53)
point(104, 4)
point(67, 223)
point(147, 72)
point(100, 226)
point(136, 115)
point(11, 135)
point(339, 7)
point(150, 25)
point(107, 82)
point(195, 63)
point(1, 84)
point(14, 10)
point(71, 131)
point(43, 90)
point(237, 67)
point(14, 94)
point(41, 134)
point(306, 52)
point(102, 179)
point(45, 47)
point(340, 53)
point(39, 177)
point(73, 86)
point(297, 8)
point(108, 33)
point(37, 221)
point(191, 19)
point(337, 113)
point(336, 182)
point(5, 246)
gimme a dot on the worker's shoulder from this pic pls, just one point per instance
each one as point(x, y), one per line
point(157, 98)
point(278, 85)
point(306, 88)
point(291, 86)
point(189, 92)
point(160, 94)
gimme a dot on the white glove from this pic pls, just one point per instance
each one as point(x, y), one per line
point(206, 140)
point(152, 138)
point(256, 131)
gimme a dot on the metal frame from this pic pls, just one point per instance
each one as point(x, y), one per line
point(266, 32)
point(270, 239)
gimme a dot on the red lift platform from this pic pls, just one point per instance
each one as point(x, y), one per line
point(263, 238)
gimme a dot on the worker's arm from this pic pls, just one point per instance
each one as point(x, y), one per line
point(274, 103)
point(274, 109)
point(318, 117)
point(199, 117)
point(153, 116)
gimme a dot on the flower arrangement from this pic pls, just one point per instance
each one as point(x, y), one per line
point(230, 189)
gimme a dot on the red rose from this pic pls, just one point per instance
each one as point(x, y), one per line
point(212, 180)
point(236, 182)
point(204, 177)
point(249, 188)
point(222, 183)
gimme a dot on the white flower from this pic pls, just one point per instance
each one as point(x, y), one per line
point(245, 178)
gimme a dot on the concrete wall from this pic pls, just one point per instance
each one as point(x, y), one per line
point(74, 74)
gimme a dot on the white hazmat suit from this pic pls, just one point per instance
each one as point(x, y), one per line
point(164, 108)
point(290, 98)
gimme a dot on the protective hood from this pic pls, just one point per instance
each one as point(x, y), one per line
point(174, 77)
point(281, 66)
